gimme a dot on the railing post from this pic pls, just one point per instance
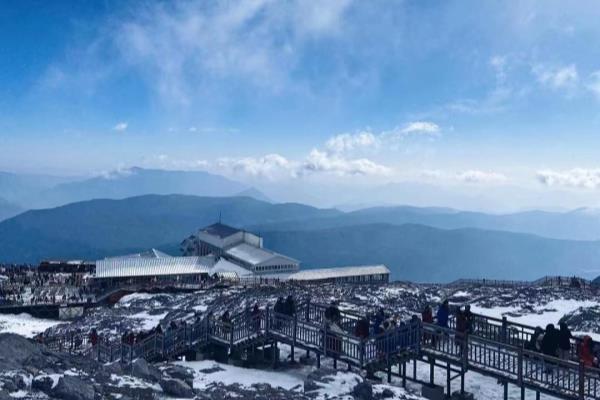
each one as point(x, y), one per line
point(294, 334)
point(520, 368)
point(230, 336)
point(581, 381)
point(267, 321)
point(324, 338)
point(361, 347)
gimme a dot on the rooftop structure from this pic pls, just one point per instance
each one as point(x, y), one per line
point(260, 260)
point(216, 239)
point(127, 267)
point(366, 273)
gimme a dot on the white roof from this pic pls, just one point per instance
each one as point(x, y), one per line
point(341, 272)
point(255, 255)
point(152, 253)
point(224, 266)
point(120, 267)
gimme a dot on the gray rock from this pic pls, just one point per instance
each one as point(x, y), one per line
point(176, 388)
point(42, 383)
point(387, 393)
point(180, 372)
point(363, 391)
point(17, 351)
point(141, 369)
point(73, 388)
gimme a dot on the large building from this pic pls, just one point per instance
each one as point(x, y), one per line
point(228, 253)
point(239, 247)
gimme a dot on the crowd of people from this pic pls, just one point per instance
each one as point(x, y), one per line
point(550, 341)
point(27, 286)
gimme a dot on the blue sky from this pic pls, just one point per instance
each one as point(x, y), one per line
point(461, 93)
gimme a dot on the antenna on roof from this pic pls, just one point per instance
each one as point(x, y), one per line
point(219, 216)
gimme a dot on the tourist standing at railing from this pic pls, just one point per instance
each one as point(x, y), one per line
point(550, 341)
point(332, 321)
point(564, 341)
point(535, 341)
point(290, 306)
point(443, 313)
point(586, 351)
point(256, 317)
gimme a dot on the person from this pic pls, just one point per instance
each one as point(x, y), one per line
point(534, 341)
point(279, 307)
point(564, 341)
point(442, 315)
point(586, 351)
point(468, 319)
point(362, 328)
point(550, 341)
point(378, 321)
point(332, 313)
point(427, 315)
point(461, 328)
point(256, 317)
point(94, 337)
point(290, 306)
point(332, 319)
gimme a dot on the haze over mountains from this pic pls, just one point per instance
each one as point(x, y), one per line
point(318, 237)
point(135, 209)
point(39, 191)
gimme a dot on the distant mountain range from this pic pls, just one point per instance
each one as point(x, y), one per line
point(318, 237)
point(39, 191)
point(8, 209)
point(581, 224)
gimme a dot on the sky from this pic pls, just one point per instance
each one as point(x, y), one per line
point(479, 97)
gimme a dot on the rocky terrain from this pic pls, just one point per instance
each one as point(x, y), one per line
point(29, 370)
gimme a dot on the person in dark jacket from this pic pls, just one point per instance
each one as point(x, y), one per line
point(290, 306)
point(279, 306)
point(550, 341)
point(532, 344)
point(362, 328)
point(564, 341)
point(443, 313)
point(427, 315)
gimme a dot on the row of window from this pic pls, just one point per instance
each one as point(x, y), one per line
point(286, 267)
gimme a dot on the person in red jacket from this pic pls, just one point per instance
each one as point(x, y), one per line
point(586, 354)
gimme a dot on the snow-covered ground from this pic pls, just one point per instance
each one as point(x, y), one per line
point(210, 372)
point(25, 324)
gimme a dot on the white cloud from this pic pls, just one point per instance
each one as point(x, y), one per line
point(120, 127)
point(181, 47)
point(419, 128)
point(594, 83)
point(347, 142)
point(557, 77)
point(576, 178)
point(320, 161)
point(468, 176)
point(476, 176)
point(270, 166)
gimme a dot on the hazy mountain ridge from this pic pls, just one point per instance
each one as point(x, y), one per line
point(8, 210)
point(98, 228)
point(575, 225)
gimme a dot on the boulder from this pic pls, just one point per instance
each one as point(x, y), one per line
point(180, 372)
point(363, 391)
point(141, 369)
point(42, 383)
point(176, 388)
point(17, 351)
point(73, 388)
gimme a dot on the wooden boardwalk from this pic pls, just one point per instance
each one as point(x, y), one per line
point(495, 348)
